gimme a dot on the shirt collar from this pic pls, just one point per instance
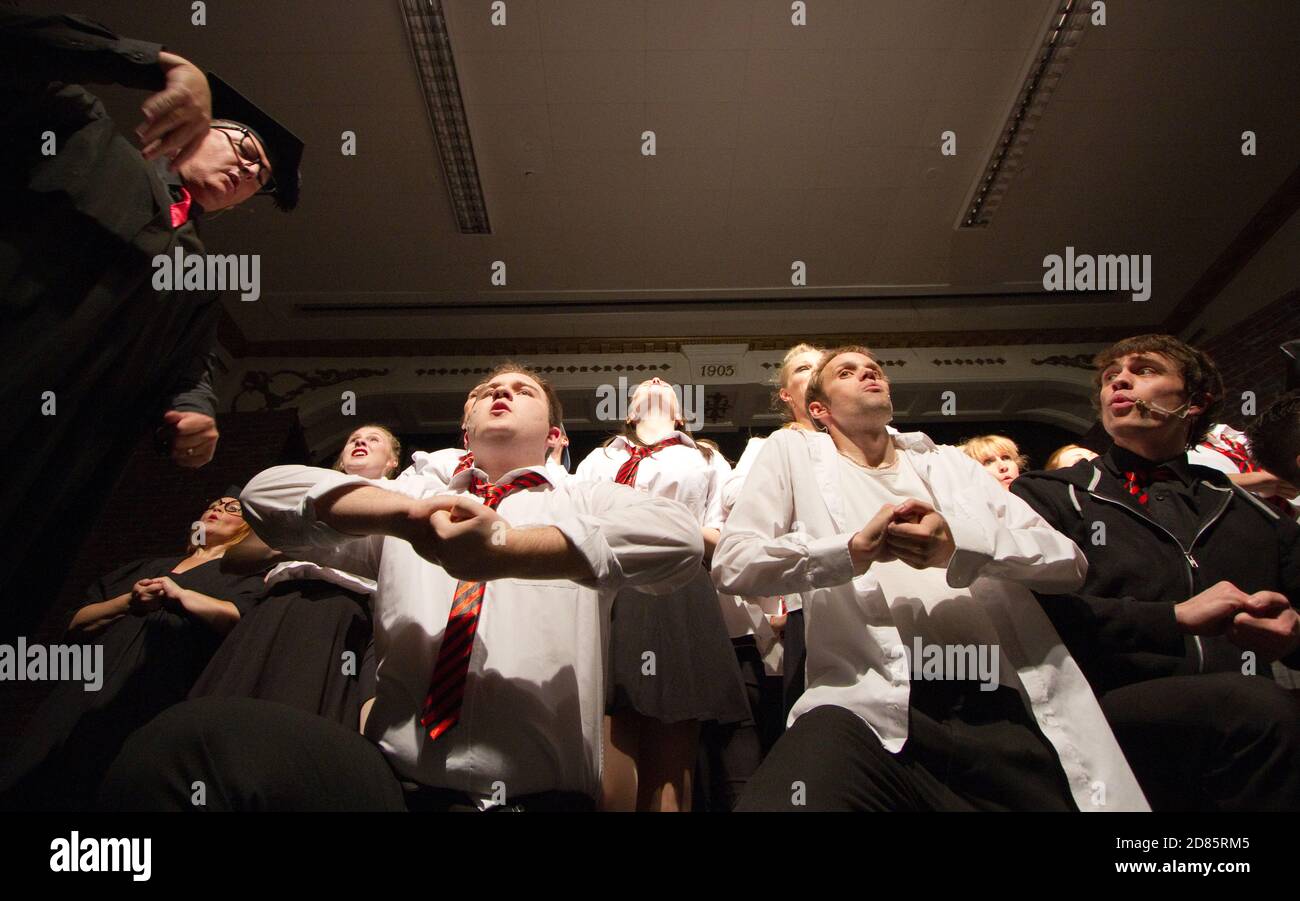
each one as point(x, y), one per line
point(174, 188)
point(1119, 460)
point(621, 441)
point(461, 481)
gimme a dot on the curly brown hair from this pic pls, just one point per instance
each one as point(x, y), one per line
point(1201, 378)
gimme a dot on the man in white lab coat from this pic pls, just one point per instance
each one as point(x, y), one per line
point(934, 679)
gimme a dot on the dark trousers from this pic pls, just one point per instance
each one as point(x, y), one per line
point(244, 754)
point(1219, 741)
point(795, 661)
point(730, 753)
point(829, 760)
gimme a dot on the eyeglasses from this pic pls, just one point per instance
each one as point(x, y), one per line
point(229, 506)
point(246, 150)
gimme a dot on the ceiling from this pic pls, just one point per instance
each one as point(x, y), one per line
point(774, 144)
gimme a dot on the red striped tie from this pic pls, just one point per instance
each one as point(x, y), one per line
point(466, 462)
point(1136, 482)
point(1236, 451)
point(627, 472)
point(441, 708)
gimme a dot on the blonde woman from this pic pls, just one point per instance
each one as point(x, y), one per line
point(998, 455)
point(1068, 455)
point(771, 629)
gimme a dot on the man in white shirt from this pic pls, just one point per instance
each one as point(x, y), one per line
point(934, 680)
point(492, 700)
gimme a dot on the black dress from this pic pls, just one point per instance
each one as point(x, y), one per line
point(149, 663)
point(304, 646)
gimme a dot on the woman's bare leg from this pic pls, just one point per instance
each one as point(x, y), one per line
point(619, 777)
point(666, 765)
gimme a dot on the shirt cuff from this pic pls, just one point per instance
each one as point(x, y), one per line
point(585, 535)
point(829, 561)
point(317, 533)
point(973, 549)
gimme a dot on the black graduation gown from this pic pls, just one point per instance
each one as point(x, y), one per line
point(304, 645)
point(79, 317)
point(149, 663)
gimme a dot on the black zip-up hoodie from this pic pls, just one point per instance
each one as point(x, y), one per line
point(1120, 625)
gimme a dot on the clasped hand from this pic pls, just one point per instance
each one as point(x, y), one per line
point(459, 534)
point(148, 595)
point(912, 531)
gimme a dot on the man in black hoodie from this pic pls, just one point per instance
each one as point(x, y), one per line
point(1190, 594)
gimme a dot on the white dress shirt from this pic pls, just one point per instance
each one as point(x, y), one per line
point(442, 463)
point(305, 569)
point(1214, 459)
point(535, 697)
point(1004, 549)
point(748, 615)
point(678, 472)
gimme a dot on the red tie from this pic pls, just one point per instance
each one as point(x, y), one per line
point(466, 462)
point(1235, 451)
point(441, 709)
point(627, 472)
point(180, 210)
point(1136, 481)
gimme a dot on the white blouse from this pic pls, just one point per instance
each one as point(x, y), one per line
point(679, 473)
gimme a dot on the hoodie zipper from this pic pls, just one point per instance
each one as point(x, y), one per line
point(1187, 551)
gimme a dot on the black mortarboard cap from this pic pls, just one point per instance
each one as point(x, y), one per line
point(283, 147)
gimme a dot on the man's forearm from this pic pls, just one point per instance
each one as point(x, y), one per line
point(366, 510)
point(541, 553)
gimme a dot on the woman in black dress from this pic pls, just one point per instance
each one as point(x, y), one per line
point(305, 645)
point(158, 622)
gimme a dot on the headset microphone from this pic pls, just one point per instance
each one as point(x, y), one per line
point(1181, 412)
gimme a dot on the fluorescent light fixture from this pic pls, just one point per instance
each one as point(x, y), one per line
point(426, 26)
point(1063, 30)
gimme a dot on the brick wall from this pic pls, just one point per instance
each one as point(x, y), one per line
point(1247, 354)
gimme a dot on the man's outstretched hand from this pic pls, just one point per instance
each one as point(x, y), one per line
point(177, 118)
point(192, 437)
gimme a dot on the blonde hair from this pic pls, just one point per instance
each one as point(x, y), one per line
point(783, 376)
point(979, 446)
point(387, 433)
point(241, 533)
point(1054, 461)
